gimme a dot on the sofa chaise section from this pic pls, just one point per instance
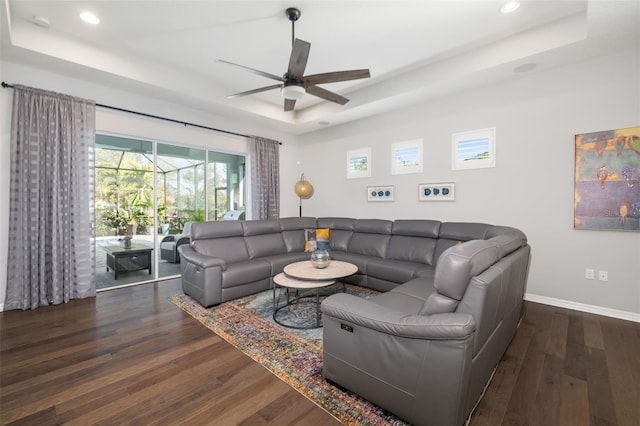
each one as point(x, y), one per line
point(426, 349)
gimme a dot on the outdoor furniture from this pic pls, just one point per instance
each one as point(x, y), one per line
point(134, 258)
point(169, 244)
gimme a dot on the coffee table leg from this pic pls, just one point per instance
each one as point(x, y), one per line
point(318, 311)
point(275, 302)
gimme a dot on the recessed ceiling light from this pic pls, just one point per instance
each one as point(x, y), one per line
point(90, 18)
point(41, 21)
point(525, 67)
point(510, 6)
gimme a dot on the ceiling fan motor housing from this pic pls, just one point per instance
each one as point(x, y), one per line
point(293, 14)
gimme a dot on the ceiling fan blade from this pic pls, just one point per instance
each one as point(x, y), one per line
point(333, 77)
point(327, 95)
point(253, 70)
point(251, 92)
point(299, 57)
point(289, 104)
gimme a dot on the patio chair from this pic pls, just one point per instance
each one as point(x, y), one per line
point(169, 244)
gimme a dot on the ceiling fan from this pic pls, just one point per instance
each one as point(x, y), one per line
point(294, 84)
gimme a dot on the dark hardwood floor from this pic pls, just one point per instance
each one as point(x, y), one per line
point(131, 357)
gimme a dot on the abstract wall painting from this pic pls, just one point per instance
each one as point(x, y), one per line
point(607, 180)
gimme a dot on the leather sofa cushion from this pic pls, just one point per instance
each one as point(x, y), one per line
point(263, 238)
point(216, 229)
point(293, 232)
point(260, 227)
point(230, 249)
point(411, 249)
point(265, 245)
point(373, 226)
point(438, 304)
point(297, 223)
point(401, 302)
point(370, 237)
point(459, 264)
point(279, 261)
point(341, 231)
point(409, 297)
point(464, 231)
point(416, 228)
point(452, 233)
point(369, 244)
point(509, 243)
point(241, 273)
point(359, 260)
point(344, 223)
point(393, 270)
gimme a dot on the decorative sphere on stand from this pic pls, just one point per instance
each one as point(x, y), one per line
point(303, 188)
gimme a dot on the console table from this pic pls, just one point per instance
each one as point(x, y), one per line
point(121, 259)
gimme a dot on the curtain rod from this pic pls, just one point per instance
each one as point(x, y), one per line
point(184, 123)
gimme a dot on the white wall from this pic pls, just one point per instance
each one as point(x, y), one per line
point(124, 124)
point(536, 117)
point(531, 188)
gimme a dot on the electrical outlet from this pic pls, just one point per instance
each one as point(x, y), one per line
point(603, 275)
point(589, 273)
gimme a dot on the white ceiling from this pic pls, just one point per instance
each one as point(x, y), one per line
point(416, 50)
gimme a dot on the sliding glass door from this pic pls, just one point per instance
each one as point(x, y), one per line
point(180, 188)
point(124, 211)
point(225, 185)
point(147, 194)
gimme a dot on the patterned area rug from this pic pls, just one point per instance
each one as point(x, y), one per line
point(295, 356)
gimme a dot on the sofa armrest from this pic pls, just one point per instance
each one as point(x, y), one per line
point(365, 313)
point(200, 260)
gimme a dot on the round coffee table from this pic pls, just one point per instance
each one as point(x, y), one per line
point(304, 276)
point(306, 271)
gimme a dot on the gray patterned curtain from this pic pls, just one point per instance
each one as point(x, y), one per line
point(265, 178)
point(51, 228)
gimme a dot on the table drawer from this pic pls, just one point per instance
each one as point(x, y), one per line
point(134, 262)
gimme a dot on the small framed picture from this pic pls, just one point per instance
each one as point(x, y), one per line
point(475, 149)
point(380, 193)
point(406, 157)
point(437, 191)
point(359, 163)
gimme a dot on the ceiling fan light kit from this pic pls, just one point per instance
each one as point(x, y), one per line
point(293, 92)
point(294, 84)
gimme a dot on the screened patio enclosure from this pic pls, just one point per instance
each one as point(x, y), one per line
point(146, 191)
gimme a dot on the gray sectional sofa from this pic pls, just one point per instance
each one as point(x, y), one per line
point(426, 347)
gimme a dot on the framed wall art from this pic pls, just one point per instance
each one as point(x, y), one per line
point(474, 149)
point(406, 157)
point(380, 193)
point(607, 180)
point(359, 163)
point(437, 191)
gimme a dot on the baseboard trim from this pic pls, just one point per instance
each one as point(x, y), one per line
point(583, 307)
